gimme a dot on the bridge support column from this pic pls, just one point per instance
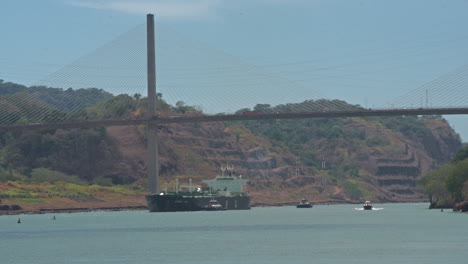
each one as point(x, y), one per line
point(153, 159)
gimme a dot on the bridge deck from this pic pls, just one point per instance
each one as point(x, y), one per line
point(235, 117)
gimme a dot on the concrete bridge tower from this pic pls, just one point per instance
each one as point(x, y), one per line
point(153, 159)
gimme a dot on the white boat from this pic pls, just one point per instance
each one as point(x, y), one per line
point(367, 205)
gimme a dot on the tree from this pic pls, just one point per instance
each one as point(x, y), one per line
point(180, 104)
point(264, 108)
point(457, 178)
point(435, 186)
point(461, 154)
point(137, 96)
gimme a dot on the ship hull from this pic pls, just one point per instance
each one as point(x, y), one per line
point(177, 203)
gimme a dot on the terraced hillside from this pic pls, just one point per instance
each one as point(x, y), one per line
point(348, 170)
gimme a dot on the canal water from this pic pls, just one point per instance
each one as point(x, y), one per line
point(400, 233)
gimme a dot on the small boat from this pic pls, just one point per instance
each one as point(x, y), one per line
point(213, 205)
point(304, 204)
point(367, 205)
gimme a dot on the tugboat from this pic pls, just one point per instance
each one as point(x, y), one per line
point(213, 205)
point(304, 204)
point(367, 205)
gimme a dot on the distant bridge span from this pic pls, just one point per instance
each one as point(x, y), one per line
point(234, 117)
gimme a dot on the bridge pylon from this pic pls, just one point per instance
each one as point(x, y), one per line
point(153, 159)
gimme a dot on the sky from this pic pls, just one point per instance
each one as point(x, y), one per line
point(365, 52)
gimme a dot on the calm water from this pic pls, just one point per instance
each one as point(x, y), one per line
point(401, 233)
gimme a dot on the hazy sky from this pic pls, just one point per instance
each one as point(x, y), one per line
point(364, 52)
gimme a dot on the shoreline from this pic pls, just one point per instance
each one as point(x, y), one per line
point(142, 208)
point(73, 210)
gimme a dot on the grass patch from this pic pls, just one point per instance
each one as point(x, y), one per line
point(28, 200)
point(22, 190)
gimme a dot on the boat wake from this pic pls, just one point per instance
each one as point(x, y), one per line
point(373, 209)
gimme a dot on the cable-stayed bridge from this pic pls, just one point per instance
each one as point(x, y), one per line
point(216, 83)
point(221, 87)
point(115, 85)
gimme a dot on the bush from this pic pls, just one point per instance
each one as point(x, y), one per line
point(103, 182)
point(353, 190)
point(51, 176)
point(373, 141)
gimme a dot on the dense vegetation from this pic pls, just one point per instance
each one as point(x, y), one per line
point(56, 164)
point(80, 156)
point(57, 98)
point(72, 152)
point(72, 155)
point(449, 184)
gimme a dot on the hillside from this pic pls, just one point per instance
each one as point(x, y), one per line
point(386, 171)
point(57, 98)
point(379, 163)
point(344, 160)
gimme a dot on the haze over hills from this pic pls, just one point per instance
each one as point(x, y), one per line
point(326, 160)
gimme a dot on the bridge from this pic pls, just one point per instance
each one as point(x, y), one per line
point(190, 73)
point(217, 86)
point(233, 117)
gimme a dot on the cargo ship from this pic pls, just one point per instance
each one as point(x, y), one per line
point(229, 190)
